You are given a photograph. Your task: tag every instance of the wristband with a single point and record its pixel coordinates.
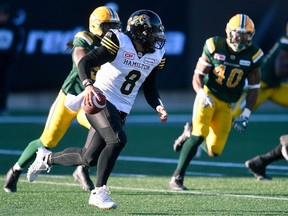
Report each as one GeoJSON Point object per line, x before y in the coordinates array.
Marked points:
{"type": "Point", "coordinates": [246, 113]}
{"type": "Point", "coordinates": [88, 83]}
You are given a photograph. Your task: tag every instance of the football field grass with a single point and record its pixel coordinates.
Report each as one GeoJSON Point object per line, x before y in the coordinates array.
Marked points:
{"type": "Point", "coordinates": [149, 196]}
{"type": "Point", "coordinates": [139, 183]}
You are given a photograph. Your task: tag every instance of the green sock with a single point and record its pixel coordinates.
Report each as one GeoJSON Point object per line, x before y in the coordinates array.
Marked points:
{"type": "Point", "coordinates": [188, 152]}
{"type": "Point", "coordinates": [29, 153]}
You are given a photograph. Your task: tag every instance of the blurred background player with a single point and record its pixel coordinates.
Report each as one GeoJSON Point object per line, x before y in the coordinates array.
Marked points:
{"type": "Point", "coordinates": [62, 113]}
{"type": "Point", "coordinates": [219, 79]}
{"type": "Point", "coordinates": [273, 87]}
{"type": "Point", "coordinates": [128, 61]}
{"type": "Point", "coordinates": [274, 74]}
{"type": "Point", "coordinates": [12, 36]}
{"type": "Point", "coordinates": [258, 164]}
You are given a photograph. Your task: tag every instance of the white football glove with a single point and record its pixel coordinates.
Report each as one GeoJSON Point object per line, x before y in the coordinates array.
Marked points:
{"type": "Point", "coordinates": [241, 122]}
{"type": "Point", "coordinates": [205, 98]}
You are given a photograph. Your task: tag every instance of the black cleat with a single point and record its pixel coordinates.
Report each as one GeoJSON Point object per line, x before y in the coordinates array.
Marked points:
{"type": "Point", "coordinates": [178, 144]}
{"type": "Point", "coordinates": [176, 183]}
{"type": "Point", "coordinates": [11, 180]}
{"type": "Point", "coordinates": [81, 174]}
{"type": "Point", "coordinates": [256, 167]}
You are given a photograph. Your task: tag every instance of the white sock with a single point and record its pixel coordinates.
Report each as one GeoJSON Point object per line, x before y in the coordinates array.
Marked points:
{"type": "Point", "coordinates": [17, 167]}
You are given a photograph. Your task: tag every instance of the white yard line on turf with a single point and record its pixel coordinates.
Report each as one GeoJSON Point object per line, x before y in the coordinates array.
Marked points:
{"type": "Point", "coordinates": [166, 161]}
{"type": "Point", "coordinates": [149, 118]}
{"type": "Point", "coordinates": [170, 191]}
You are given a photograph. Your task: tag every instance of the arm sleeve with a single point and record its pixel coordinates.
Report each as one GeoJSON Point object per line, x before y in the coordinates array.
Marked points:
{"type": "Point", "coordinates": [97, 57]}
{"type": "Point", "coordinates": [94, 58]}
{"type": "Point", "coordinates": [150, 90]}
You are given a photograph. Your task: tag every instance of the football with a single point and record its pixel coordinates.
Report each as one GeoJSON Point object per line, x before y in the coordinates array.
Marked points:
{"type": "Point", "coordinates": [97, 106]}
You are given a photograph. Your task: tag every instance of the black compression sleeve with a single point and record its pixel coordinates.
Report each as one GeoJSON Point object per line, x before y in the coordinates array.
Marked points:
{"type": "Point", "coordinates": [94, 58]}
{"type": "Point", "coordinates": [150, 90]}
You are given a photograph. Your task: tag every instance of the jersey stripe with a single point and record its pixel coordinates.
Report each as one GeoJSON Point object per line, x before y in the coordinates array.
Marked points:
{"type": "Point", "coordinates": [112, 47]}
{"type": "Point", "coordinates": [257, 56]}
{"type": "Point", "coordinates": [210, 45]}
{"type": "Point", "coordinates": [162, 63]}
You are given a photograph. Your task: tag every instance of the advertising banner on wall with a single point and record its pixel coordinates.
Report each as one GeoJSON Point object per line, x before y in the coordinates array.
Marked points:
{"type": "Point", "coordinates": [44, 62]}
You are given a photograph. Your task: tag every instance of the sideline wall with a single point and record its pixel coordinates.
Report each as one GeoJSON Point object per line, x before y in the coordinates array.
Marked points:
{"type": "Point", "coordinates": [44, 64]}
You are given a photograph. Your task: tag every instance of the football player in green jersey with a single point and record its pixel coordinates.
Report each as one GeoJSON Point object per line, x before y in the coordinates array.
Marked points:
{"type": "Point", "coordinates": [62, 112]}
{"type": "Point", "coordinates": [218, 80]}
{"type": "Point", "coordinates": [274, 73]}
{"type": "Point", "coordinates": [274, 87]}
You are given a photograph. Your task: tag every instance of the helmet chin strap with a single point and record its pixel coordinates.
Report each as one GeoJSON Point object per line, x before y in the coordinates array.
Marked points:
{"type": "Point", "coordinates": [240, 48]}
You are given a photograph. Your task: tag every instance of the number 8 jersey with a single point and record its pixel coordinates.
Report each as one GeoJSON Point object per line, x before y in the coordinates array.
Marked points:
{"type": "Point", "coordinates": [121, 78]}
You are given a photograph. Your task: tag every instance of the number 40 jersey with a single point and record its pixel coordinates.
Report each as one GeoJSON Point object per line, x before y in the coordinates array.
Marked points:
{"type": "Point", "coordinates": [230, 71]}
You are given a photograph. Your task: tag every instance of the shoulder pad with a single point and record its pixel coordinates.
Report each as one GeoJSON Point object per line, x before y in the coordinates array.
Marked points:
{"type": "Point", "coordinates": [210, 44]}
{"type": "Point", "coordinates": [85, 36]}
{"type": "Point", "coordinates": [215, 42]}
{"type": "Point", "coordinates": [111, 41]}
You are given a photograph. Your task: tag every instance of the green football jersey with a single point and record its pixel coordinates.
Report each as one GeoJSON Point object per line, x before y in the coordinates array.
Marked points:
{"type": "Point", "coordinates": [268, 67]}
{"type": "Point", "coordinates": [226, 80]}
{"type": "Point", "coordinates": [72, 83]}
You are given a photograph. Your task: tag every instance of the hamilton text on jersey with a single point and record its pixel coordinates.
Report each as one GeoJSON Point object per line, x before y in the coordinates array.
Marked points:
{"type": "Point", "coordinates": [136, 64]}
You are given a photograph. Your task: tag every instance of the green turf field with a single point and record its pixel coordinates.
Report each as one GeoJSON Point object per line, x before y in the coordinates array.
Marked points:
{"type": "Point", "coordinates": [139, 184]}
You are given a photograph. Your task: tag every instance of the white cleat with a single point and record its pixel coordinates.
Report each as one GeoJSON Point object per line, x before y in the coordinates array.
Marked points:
{"type": "Point", "coordinates": [284, 143]}
{"type": "Point", "coordinates": [179, 142]}
{"type": "Point", "coordinates": [40, 164]}
{"type": "Point", "coordinates": [284, 151]}
{"type": "Point", "coordinates": [99, 197]}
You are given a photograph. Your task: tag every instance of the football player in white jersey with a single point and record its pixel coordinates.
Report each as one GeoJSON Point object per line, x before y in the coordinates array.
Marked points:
{"type": "Point", "coordinates": [128, 61]}
{"type": "Point", "coordinates": [61, 114]}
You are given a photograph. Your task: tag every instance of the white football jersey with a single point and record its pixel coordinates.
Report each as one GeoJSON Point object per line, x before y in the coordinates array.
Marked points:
{"type": "Point", "coordinates": [121, 79]}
